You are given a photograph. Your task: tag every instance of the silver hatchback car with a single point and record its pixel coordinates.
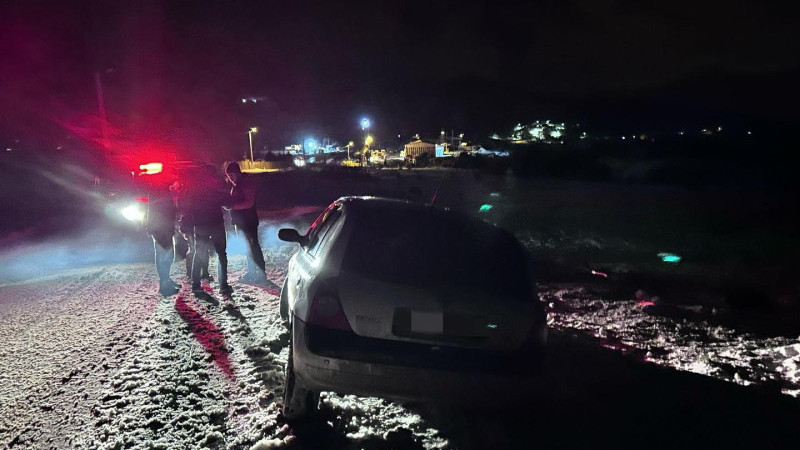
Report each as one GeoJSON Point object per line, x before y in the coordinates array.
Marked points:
{"type": "Point", "coordinates": [403, 300]}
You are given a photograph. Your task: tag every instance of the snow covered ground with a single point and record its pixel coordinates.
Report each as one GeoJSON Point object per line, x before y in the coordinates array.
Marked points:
{"type": "Point", "coordinates": [94, 358]}
{"type": "Point", "coordinates": [685, 337]}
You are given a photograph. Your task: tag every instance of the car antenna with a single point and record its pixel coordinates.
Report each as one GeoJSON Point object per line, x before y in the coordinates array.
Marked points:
{"type": "Point", "coordinates": [435, 194]}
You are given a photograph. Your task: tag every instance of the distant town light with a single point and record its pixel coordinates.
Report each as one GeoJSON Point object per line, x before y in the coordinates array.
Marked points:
{"type": "Point", "coordinates": [244, 100]}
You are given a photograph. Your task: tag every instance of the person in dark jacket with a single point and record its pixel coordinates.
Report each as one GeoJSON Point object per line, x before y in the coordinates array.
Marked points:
{"type": "Point", "coordinates": [206, 196]}
{"type": "Point", "coordinates": [186, 229]}
{"type": "Point", "coordinates": [161, 227]}
{"type": "Point", "coordinates": [245, 217]}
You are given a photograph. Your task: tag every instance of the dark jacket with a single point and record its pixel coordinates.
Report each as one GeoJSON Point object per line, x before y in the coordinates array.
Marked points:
{"type": "Point", "coordinates": [203, 199]}
{"type": "Point", "coordinates": [160, 212]}
{"type": "Point", "coordinates": [243, 207]}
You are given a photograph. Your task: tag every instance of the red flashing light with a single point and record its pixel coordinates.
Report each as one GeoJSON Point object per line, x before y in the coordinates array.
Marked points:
{"type": "Point", "coordinates": [142, 199]}
{"type": "Point", "coordinates": [151, 168]}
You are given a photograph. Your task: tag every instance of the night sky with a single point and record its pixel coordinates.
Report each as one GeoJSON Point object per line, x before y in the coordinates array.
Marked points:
{"type": "Point", "coordinates": [177, 70]}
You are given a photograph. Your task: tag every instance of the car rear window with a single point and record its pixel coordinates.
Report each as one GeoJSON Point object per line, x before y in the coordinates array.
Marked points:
{"type": "Point", "coordinates": [436, 248]}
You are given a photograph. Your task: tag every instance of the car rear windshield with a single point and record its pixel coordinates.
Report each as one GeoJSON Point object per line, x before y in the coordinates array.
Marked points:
{"type": "Point", "coordinates": [436, 248]}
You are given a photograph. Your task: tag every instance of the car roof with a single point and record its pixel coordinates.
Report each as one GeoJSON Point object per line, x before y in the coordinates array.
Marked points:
{"type": "Point", "coordinates": [357, 205]}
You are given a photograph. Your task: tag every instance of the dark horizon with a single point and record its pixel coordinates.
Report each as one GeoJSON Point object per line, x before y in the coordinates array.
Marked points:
{"type": "Point", "coordinates": [177, 72]}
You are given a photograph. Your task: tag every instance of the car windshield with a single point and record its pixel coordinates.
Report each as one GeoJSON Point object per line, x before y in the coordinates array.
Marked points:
{"type": "Point", "coordinates": [434, 248]}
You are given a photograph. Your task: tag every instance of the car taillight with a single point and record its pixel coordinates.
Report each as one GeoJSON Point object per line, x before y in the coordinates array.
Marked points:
{"type": "Point", "coordinates": [326, 311]}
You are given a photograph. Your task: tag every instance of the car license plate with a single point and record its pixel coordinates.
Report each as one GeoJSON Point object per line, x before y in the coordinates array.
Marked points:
{"type": "Point", "coordinates": [425, 322]}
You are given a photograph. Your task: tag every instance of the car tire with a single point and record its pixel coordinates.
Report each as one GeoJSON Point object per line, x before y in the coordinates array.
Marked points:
{"type": "Point", "coordinates": [298, 403]}
{"type": "Point", "coordinates": [284, 303]}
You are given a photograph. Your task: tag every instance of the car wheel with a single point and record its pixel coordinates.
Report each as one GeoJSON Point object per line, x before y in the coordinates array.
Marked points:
{"type": "Point", "coordinates": [298, 403]}
{"type": "Point", "coordinates": [284, 304]}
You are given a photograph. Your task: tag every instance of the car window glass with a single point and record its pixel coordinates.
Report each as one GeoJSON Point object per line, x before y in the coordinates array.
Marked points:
{"type": "Point", "coordinates": [329, 234]}
{"type": "Point", "coordinates": [314, 229]}
{"type": "Point", "coordinates": [428, 248]}
{"type": "Point", "coordinates": [322, 228]}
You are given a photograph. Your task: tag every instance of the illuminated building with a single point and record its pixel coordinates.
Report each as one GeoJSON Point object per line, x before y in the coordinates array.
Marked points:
{"type": "Point", "coordinates": [417, 147]}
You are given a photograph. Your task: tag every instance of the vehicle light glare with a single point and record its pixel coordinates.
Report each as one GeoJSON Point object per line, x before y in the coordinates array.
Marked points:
{"type": "Point", "coordinates": [669, 258]}
{"type": "Point", "coordinates": [134, 213]}
{"type": "Point", "coordinates": [151, 168]}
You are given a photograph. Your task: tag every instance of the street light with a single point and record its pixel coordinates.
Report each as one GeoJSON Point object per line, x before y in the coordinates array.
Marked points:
{"type": "Point", "coordinates": [365, 153]}
{"type": "Point", "coordinates": [250, 135]}
{"type": "Point", "coordinates": [311, 144]}
{"type": "Point", "coordinates": [365, 123]}
{"type": "Point", "coordinates": [350, 144]}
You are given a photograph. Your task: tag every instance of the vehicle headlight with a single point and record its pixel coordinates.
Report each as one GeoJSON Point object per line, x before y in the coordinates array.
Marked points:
{"type": "Point", "coordinates": [133, 212]}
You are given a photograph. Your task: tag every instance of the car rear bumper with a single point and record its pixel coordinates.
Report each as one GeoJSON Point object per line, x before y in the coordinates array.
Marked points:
{"type": "Point", "coordinates": [459, 383]}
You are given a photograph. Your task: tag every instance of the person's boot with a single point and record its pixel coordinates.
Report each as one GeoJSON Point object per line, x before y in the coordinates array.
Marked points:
{"type": "Point", "coordinates": [226, 289]}
{"type": "Point", "coordinates": [253, 277]}
{"type": "Point", "coordinates": [168, 288]}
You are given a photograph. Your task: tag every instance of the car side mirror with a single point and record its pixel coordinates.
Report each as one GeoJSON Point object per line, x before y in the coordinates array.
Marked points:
{"type": "Point", "coordinates": [291, 235]}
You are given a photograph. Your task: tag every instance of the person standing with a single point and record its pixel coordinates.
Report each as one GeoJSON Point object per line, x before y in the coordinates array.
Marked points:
{"type": "Point", "coordinates": [206, 196]}
{"type": "Point", "coordinates": [160, 224]}
{"type": "Point", "coordinates": [186, 229]}
{"type": "Point", "coordinates": [245, 217]}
